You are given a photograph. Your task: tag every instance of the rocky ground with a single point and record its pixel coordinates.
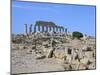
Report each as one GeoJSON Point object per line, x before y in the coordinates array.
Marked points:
{"type": "Point", "coordinates": [69, 54]}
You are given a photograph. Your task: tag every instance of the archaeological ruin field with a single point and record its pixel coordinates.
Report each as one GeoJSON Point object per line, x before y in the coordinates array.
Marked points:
{"type": "Point", "coordinates": [51, 48]}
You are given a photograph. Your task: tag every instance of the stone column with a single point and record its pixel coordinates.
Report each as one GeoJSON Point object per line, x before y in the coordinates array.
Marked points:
{"type": "Point", "coordinates": [30, 29]}
{"type": "Point", "coordinates": [42, 28]}
{"type": "Point", "coordinates": [35, 28]}
{"type": "Point", "coordinates": [46, 28]}
{"type": "Point", "coordinates": [39, 28]}
{"type": "Point", "coordinates": [25, 28]}
{"type": "Point", "coordinates": [53, 28]}
{"type": "Point", "coordinates": [56, 29]}
{"type": "Point", "coordinates": [63, 29]}
{"type": "Point", "coordinates": [66, 30]}
{"type": "Point", "coordinates": [50, 28]}
{"type": "Point", "coordinates": [60, 29]}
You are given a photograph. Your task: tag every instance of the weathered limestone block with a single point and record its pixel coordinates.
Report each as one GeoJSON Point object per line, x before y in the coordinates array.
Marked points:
{"type": "Point", "coordinates": [92, 66]}
{"type": "Point", "coordinates": [87, 48]}
{"type": "Point", "coordinates": [87, 63]}
{"type": "Point", "coordinates": [38, 46]}
{"type": "Point", "coordinates": [15, 48]}
{"type": "Point", "coordinates": [75, 56]}
{"type": "Point", "coordinates": [88, 54]}
{"type": "Point", "coordinates": [69, 58]}
{"type": "Point", "coordinates": [39, 56]}
{"type": "Point", "coordinates": [45, 49]}
{"type": "Point", "coordinates": [50, 53]}
{"type": "Point", "coordinates": [25, 47]}
{"type": "Point", "coordinates": [94, 53]}
{"type": "Point", "coordinates": [66, 51]}
{"type": "Point", "coordinates": [84, 60]}
{"type": "Point", "coordinates": [84, 48]}
{"type": "Point", "coordinates": [60, 54]}
{"type": "Point", "coordinates": [21, 47]}
{"type": "Point", "coordinates": [69, 51]}
{"type": "Point", "coordinates": [28, 51]}
{"type": "Point", "coordinates": [76, 62]}
{"type": "Point", "coordinates": [80, 54]}
{"type": "Point", "coordinates": [75, 66]}
{"type": "Point", "coordinates": [66, 66]}
{"type": "Point", "coordinates": [82, 67]}
{"type": "Point", "coordinates": [69, 67]}
{"type": "Point", "coordinates": [93, 60]}
{"type": "Point", "coordinates": [33, 47]}
{"type": "Point", "coordinates": [59, 61]}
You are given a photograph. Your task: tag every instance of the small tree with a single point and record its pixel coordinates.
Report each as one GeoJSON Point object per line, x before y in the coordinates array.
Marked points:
{"type": "Point", "coordinates": [77, 35]}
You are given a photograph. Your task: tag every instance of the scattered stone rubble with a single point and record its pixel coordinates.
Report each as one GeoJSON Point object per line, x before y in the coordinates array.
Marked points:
{"type": "Point", "coordinates": [42, 51]}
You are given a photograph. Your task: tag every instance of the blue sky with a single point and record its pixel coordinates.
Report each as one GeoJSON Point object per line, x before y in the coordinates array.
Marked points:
{"type": "Point", "coordinates": [74, 17]}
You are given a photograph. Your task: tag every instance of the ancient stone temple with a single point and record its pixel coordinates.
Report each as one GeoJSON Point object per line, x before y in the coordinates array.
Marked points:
{"type": "Point", "coordinates": [50, 26]}
{"type": "Point", "coordinates": [44, 26]}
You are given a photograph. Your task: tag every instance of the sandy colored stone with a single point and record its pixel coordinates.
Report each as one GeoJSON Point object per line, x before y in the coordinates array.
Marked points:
{"type": "Point", "coordinates": [84, 60]}
{"type": "Point", "coordinates": [92, 66]}
{"type": "Point", "coordinates": [88, 54]}
{"type": "Point", "coordinates": [82, 67]}
{"type": "Point", "coordinates": [60, 54]}
{"type": "Point", "coordinates": [58, 58]}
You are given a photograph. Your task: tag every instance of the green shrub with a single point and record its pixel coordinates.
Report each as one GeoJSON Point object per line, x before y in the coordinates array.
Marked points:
{"type": "Point", "coordinates": [77, 35]}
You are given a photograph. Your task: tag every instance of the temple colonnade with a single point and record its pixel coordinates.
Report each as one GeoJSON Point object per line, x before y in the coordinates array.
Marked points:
{"type": "Point", "coordinates": [42, 26]}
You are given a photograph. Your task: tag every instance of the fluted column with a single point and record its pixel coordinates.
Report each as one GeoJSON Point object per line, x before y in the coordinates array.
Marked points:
{"type": "Point", "coordinates": [35, 28]}
{"type": "Point", "coordinates": [56, 29]}
{"type": "Point", "coordinates": [25, 28]}
{"type": "Point", "coordinates": [30, 29]}
{"type": "Point", "coordinates": [60, 29]}
{"type": "Point", "coordinates": [46, 28]}
{"type": "Point", "coordinates": [63, 29]}
{"type": "Point", "coordinates": [42, 28]}
{"type": "Point", "coordinates": [50, 28]}
{"type": "Point", "coordinates": [53, 28]}
{"type": "Point", "coordinates": [66, 30]}
{"type": "Point", "coordinates": [39, 28]}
